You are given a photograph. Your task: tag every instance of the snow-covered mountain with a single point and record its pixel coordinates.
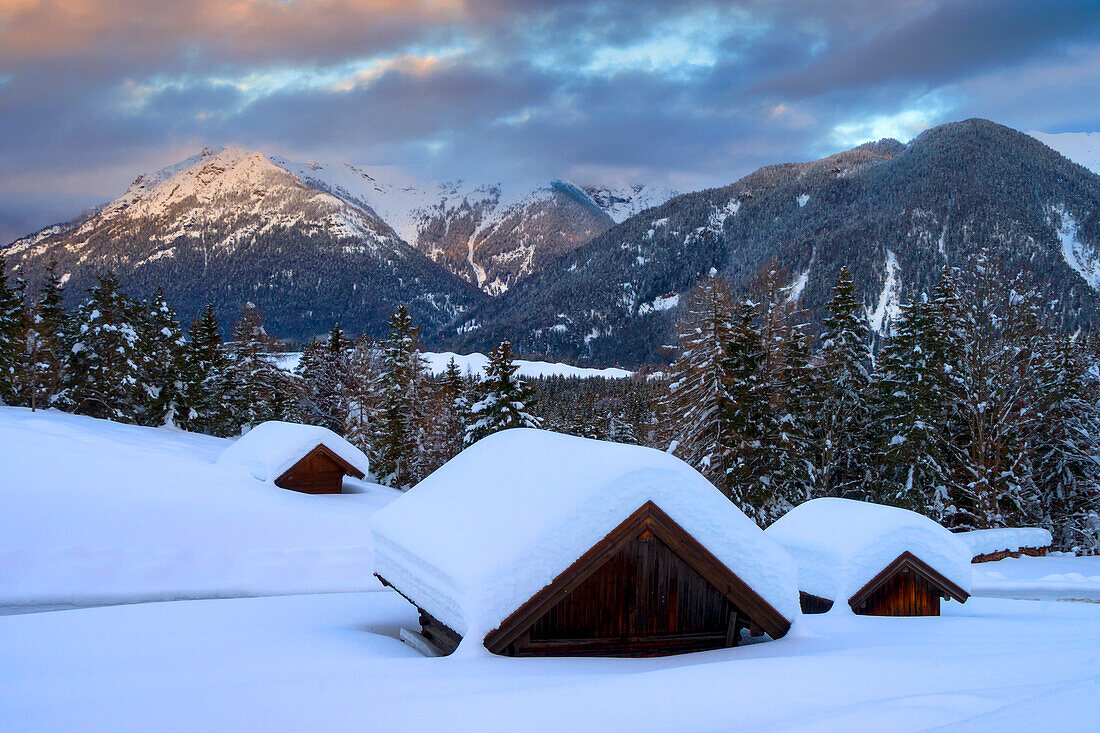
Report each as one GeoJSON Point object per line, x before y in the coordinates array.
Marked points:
{"type": "Point", "coordinates": [234, 225]}
{"type": "Point", "coordinates": [1083, 148]}
{"type": "Point", "coordinates": [624, 201]}
{"type": "Point", "coordinates": [492, 235]}
{"type": "Point", "coordinates": [893, 213]}
{"type": "Point", "coordinates": [231, 226]}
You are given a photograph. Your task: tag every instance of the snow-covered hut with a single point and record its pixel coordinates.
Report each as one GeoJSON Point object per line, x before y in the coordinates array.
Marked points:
{"type": "Point", "coordinates": [880, 560]}
{"type": "Point", "coordinates": [533, 543]}
{"type": "Point", "coordinates": [988, 545]}
{"type": "Point", "coordinates": [306, 458]}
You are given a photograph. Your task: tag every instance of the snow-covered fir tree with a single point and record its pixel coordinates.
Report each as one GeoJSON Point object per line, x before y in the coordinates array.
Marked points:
{"type": "Point", "coordinates": [44, 352]}
{"type": "Point", "coordinates": [507, 399]}
{"type": "Point", "coordinates": [204, 397]}
{"type": "Point", "coordinates": [162, 351]}
{"type": "Point", "coordinates": [1067, 447]}
{"type": "Point", "coordinates": [104, 376]}
{"type": "Point", "coordinates": [454, 395]}
{"type": "Point", "coordinates": [747, 414]}
{"type": "Point", "coordinates": [324, 370]}
{"type": "Point", "coordinates": [13, 337]}
{"type": "Point", "coordinates": [696, 405]}
{"type": "Point", "coordinates": [994, 404]}
{"type": "Point", "coordinates": [363, 393]}
{"type": "Point", "coordinates": [844, 408]}
{"type": "Point", "coordinates": [395, 448]}
{"type": "Point", "coordinates": [910, 405]}
{"type": "Point", "coordinates": [258, 389]}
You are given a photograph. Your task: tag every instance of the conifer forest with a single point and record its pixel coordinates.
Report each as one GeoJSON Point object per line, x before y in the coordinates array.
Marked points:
{"type": "Point", "coordinates": [976, 408]}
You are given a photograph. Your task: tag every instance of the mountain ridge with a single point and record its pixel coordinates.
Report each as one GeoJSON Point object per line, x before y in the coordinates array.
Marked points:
{"type": "Point", "coordinates": [894, 213]}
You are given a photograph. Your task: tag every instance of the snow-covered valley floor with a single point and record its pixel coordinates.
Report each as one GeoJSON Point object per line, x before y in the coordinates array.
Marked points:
{"type": "Point", "coordinates": [93, 512]}
{"type": "Point", "coordinates": [333, 663]}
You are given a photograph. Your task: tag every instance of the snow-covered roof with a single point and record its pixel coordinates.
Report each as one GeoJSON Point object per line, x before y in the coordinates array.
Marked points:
{"type": "Point", "coordinates": [266, 451]}
{"type": "Point", "coordinates": [1013, 539]}
{"type": "Point", "coordinates": [479, 537]}
{"type": "Point", "coordinates": [839, 545]}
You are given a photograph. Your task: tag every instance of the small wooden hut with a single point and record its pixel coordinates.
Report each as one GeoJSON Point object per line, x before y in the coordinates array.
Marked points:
{"type": "Point", "coordinates": [882, 561]}
{"type": "Point", "coordinates": [991, 545]}
{"type": "Point", "coordinates": [305, 458]}
{"type": "Point", "coordinates": [540, 544]}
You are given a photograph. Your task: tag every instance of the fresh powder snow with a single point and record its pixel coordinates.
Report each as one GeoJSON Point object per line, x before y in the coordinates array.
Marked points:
{"type": "Point", "coordinates": [840, 544]}
{"type": "Point", "coordinates": [94, 512]}
{"type": "Point", "coordinates": [330, 663]}
{"type": "Point", "coordinates": [266, 451]}
{"type": "Point", "coordinates": [476, 539]}
{"type": "Point", "coordinates": [1012, 539]}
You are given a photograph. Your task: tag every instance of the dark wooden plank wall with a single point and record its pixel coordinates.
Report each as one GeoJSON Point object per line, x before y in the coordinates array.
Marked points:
{"type": "Point", "coordinates": [813, 604]}
{"type": "Point", "coordinates": [903, 594]}
{"type": "Point", "coordinates": [316, 474]}
{"type": "Point", "coordinates": [644, 599]}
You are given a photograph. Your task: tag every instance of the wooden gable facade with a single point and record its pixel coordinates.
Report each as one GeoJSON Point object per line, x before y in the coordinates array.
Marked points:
{"type": "Point", "coordinates": [320, 471]}
{"type": "Point", "coordinates": [646, 589]}
{"type": "Point", "coordinates": [906, 587]}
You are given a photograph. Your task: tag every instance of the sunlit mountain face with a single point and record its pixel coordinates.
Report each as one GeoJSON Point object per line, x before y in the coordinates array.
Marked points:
{"type": "Point", "coordinates": [611, 93]}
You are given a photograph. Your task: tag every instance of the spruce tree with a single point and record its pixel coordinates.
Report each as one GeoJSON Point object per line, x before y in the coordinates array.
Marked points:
{"type": "Point", "coordinates": [363, 395]}
{"type": "Point", "coordinates": [394, 446]}
{"type": "Point", "coordinates": [454, 390]}
{"type": "Point", "coordinates": [104, 375]}
{"type": "Point", "coordinates": [259, 390]}
{"type": "Point", "coordinates": [697, 403]}
{"type": "Point", "coordinates": [844, 417]}
{"type": "Point", "coordinates": [205, 391]}
{"type": "Point", "coordinates": [324, 370]}
{"type": "Point", "coordinates": [13, 338]}
{"type": "Point", "coordinates": [1067, 446]}
{"type": "Point", "coordinates": [909, 406]}
{"type": "Point", "coordinates": [507, 399]}
{"type": "Point", "coordinates": [45, 342]}
{"type": "Point", "coordinates": [747, 413]}
{"type": "Point", "coordinates": [162, 350]}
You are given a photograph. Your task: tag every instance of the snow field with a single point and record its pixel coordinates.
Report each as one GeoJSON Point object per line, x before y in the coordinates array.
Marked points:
{"type": "Point", "coordinates": [333, 663]}
{"type": "Point", "coordinates": [95, 512]}
{"type": "Point", "coordinates": [1059, 576]}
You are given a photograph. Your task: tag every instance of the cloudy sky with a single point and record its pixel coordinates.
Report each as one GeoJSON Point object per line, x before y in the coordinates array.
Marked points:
{"type": "Point", "coordinates": [92, 92]}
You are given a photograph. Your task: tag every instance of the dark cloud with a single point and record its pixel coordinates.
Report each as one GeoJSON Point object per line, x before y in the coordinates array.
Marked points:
{"type": "Point", "coordinates": [696, 93]}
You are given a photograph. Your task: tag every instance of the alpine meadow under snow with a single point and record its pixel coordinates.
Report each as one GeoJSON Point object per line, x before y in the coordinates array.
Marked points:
{"type": "Point", "coordinates": [106, 513]}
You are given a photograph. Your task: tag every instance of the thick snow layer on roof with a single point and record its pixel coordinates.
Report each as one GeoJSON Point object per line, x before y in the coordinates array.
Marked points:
{"type": "Point", "coordinates": [839, 545]}
{"type": "Point", "coordinates": [476, 539]}
{"type": "Point", "coordinates": [986, 541]}
{"type": "Point", "coordinates": [266, 451]}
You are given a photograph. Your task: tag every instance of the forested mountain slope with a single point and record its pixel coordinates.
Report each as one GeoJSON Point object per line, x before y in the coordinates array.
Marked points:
{"type": "Point", "coordinates": [894, 214]}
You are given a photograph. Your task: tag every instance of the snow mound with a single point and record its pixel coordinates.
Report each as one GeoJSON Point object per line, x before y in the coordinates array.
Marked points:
{"type": "Point", "coordinates": [93, 511]}
{"type": "Point", "coordinates": [840, 544]}
{"type": "Point", "coordinates": [266, 451]}
{"type": "Point", "coordinates": [986, 541]}
{"type": "Point", "coordinates": [475, 540]}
